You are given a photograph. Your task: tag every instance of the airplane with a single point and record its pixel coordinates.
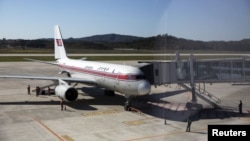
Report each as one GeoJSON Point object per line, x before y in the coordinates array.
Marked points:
{"type": "Point", "coordinates": [126, 79]}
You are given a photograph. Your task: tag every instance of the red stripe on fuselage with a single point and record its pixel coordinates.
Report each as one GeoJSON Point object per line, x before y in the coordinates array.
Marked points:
{"type": "Point", "coordinates": [100, 73]}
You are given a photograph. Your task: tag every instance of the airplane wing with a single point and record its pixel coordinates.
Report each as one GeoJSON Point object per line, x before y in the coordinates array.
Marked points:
{"type": "Point", "coordinates": [66, 79]}
{"type": "Point", "coordinates": [40, 61]}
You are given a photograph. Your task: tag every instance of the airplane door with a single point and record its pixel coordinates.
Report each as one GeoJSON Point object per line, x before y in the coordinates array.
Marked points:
{"type": "Point", "coordinates": [117, 78]}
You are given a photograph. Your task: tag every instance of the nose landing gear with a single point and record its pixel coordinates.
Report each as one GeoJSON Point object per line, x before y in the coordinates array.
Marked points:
{"type": "Point", "coordinates": [127, 105]}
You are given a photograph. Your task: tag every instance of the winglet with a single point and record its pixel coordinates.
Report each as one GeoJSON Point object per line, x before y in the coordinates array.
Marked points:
{"type": "Point", "coordinates": [60, 52]}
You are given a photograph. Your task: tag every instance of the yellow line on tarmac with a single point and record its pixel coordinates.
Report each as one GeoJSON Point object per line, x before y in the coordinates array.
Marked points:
{"type": "Point", "coordinates": [45, 126]}
{"type": "Point", "coordinates": [189, 94]}
{"type": "Point", "coordinates": [245, 118]}
{"type": "Point", "coordinates": [101, 113]}
{"type": "Point", "coordinates": [136, 122]}
{"type": "Point", "coordinates": [67, 138]}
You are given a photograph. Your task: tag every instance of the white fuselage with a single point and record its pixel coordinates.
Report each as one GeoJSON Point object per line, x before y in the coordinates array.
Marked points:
{"type": "Point", "coordinates": [122, 78]}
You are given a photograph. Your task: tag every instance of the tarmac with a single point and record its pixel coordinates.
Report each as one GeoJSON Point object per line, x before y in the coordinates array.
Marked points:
{"type": "Point", "coordinates": [160, 116]}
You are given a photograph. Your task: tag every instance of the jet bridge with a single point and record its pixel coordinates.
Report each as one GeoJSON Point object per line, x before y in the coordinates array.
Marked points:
{"type": "Point", "coordinates": [193, 71]}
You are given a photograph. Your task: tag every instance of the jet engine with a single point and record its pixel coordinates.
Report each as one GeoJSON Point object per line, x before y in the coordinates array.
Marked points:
{"type": "Point", "coordinates": [66, 92]}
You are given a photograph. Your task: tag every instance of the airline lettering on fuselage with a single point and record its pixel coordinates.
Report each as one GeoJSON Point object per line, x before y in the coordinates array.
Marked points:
{"type": "Point", "coordinates": [105, 69]}
{"type": "Point", "coordinates": [89, 67]}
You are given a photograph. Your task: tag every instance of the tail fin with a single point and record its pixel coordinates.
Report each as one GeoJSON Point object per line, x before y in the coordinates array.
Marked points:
{"type": "Point", "coordinates": [60, 52]}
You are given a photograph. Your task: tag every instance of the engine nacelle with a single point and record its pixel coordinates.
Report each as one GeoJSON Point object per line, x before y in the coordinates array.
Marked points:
{"type": "Point", "coordinates": [66, 92]}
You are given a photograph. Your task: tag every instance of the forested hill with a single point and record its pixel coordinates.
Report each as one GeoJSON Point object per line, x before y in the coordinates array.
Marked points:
{"type": "Point", "coordinates": [114, 38]}
{"type": "Point", "coordinates": [114, 41]}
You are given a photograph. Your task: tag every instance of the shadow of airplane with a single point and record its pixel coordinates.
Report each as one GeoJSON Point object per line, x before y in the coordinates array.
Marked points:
{"type": "Point", "coordinates": [97, 94]}
{"type": "Point", "coordinates": [145, 104]}
{"type": "Point", "coordinates": [75, 105]}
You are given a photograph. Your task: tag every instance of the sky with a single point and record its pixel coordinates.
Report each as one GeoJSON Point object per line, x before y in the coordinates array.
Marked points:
{"type": "Point", "coordinates": [206, 20]}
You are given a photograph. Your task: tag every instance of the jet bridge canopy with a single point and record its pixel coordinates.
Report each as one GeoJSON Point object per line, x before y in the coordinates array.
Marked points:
{"type": "Point", "coordinates": [198, 71]}
{"type": "Point", "coordinates": [202, 71]}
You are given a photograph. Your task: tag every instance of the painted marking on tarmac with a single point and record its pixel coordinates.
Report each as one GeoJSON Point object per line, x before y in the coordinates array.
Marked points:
{"type": "Point", "coordinates": [170, 106]}
{"type": "Point", "coordinates": [245, 118]}
{"type": "Point", "coordinates": [50, 130]}
{"type": "Point", "coordinates": [164, 105]}
{"type": "Point", "coordinates": [98, 113]}
{"type": "Point", "coordinates": [177, 107]}
{"type": "Point", "coordinates": [67, 138]}
{"type": "Point", "coordinates": [158, 104]}
{"type": "Point", "coordinates": [136, 122]}
{"type": "Point", "coordinates": [189, 94]}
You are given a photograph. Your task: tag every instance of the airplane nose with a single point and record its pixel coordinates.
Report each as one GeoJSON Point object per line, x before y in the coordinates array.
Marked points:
{"type": "Point", "coordinates": [144, 88]}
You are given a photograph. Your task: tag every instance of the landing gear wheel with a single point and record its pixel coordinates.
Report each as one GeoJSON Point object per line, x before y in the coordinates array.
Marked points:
{"type": "Point", "coordinates": [127, 107]}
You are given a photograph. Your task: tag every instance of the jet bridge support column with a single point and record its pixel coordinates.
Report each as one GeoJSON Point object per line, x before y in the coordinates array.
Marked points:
{"type": "Point", "coordinates": [192, 83]}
